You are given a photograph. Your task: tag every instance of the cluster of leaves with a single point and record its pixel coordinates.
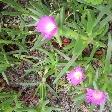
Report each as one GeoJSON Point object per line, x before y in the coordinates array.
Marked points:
{"type": "Point", "coordinates": [84, 22]}
{"type": "Point", "coordinates": [94, 1]}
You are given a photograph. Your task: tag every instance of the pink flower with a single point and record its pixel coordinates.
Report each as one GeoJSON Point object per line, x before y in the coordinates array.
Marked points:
{"type": "Point", "coordinates": [47, 26]}
{"type": "Point", "coordinates": [76, 76]}
{"type": "Point", "coordinates": [95, 97]}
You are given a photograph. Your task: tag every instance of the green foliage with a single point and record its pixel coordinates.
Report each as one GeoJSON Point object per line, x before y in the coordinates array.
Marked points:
{"type": "Point", "coordinates": [94, 2]}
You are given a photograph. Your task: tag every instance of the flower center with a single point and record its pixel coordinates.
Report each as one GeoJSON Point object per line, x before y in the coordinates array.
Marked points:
{"type": "Point", "coordinates": [77, 75]}
{"type": "Point", "coordinates": [97, 95]}
{"type": "Point", "coordinates": [50, 27]}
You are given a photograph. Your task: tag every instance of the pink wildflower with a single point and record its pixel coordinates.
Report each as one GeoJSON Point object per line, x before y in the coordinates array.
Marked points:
{"type": "Point", "coordinates": [76, 76]}
{"type": "Point", "coordinates": [47, 26]}
{"type": "Point", "coordinates": [95, 97]}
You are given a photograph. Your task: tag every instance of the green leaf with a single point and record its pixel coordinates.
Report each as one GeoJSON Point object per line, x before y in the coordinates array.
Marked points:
{"type": "Point", "coordinates": [11, 13]}
{"type": "Point", "coordinates": [58, 38]}
{"type": "Point", "coordinates": [62, 17]}
{"type": "Point", "coordinates": [62, 54]}
{"type": "Point", "coordinates": [78, 48]}
{"type": "Point", "coordinates": [3, 67]}
{"type": "Point", "coordinates": [4, 64]}
{"type": "Point", "coordinates": [90, 20]}
{"type": "Point", "coordinates": [94, 2]}
{"type": "Point", "coordinates": [5, 78]}
{"type": "Point", "coordinates": [12, 42]}
{"type": "Point", "coordinates": [35, 12]}
{"type": "Point", "coordinates": [40, 7]}
{"type": "Point", "coordinates": [79, 98]}
{"type": "Point", "coordinates": [69, 33]}
{"type": "Point", "coordinates": [42, 91]}
{"type": "Point", "coordinates": [15, 5]}
{"type": "Point", "coordinates": [64, 70]}
{"type": "Point", "coordinates": [107, 67]}
{"type": "Point", "coordinates": [37, 43]}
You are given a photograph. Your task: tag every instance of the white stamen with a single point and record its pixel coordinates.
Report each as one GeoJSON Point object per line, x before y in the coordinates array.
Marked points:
{"type": "Point", "coordinates": [97, 95]}
{"type": "Point", "coordinates": [77, 75]}
{"type": "Point", "coordinates": [50, 27]}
